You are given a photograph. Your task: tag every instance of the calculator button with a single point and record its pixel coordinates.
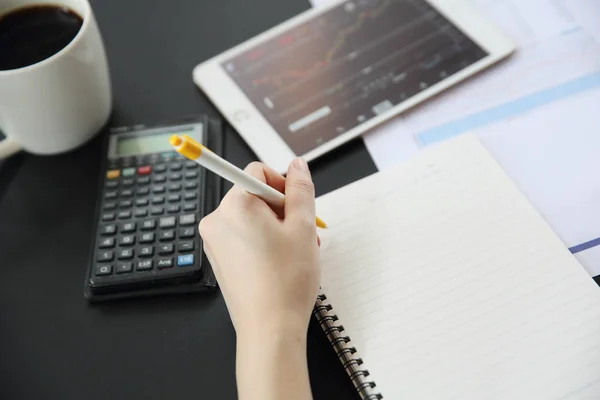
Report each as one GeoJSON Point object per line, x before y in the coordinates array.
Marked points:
{"type": "Point", "coordinates": [160, 168]}
{"type": "Point", "coordinates": [184, 247]}
{"type": "Point", "coordinates": [143, 180]}
{"type": "Point", "coordinates": [127, 240]}
{"type": "Point", "coordinates": [113, 174]}
{"type": "Point", "coordinates": [106, 255]}
{"type": "Point", "coordinates": [127, 182]}
{"type": "Point", "coordinates": [110, 195]}
{"type": "Point", "coordinates": [108, 230]}
{"type": "Point", "coordinates": [185, 260]}
{"type": "Point", "coordinates": [107, 243]}
{"type": "Point", "coordinates": [125, 254]}
{"type": "Point", "coordinates": [174, 187]}
{"type": "Point", "coordinates": [158, 199]}
{"type": "Point", "coordinates": [164, 263]}
{"type": "Point", "coordinates": [188, 219]}
{"type": "Point", "coordinates": [110, 206]}
{"type": "Point", "coordinates": [166, 236]}
{"type": "Point", "coordinates": [129, 172]}
{"type": "Point", "coordinates": [125, 204]}
{"type": "Point", "coordinates": [148, 224]}
{"type": "Point", "coordinates": [142, 202]}
{"type": "Point", "coordinates": [144, 265]}
{"type": "Point", "coordinates": [160, 179]}
{"type": "Point", "coordinates": [190, 195]}
{"type": "Point", "coordinates": [189, 207]}
{"type": "Point", "coordinates": [166, 222]}
{"type": "Point", "coordinates": [173, 208]}
{"type": "Point", "coordinates": [124, 214]}
{"type": "Point", "coordinates": [127, 193]}
{"type": "Point", "coordinates": [157, 210]}
{"type": "Point", "coordinates": [128, 227]}
{"type": "Point", "coordinates": [102, 270]}
{"type": "Point", "coordinates": [191, 164]}
{"type": "Point", "coordinates": [165, 249]}
{"type": "Point", "coordinates": [124, 268]}
{"type": "Point", "coordinates": [175, 176]}
{"type": "Point", "coordinates": [186, 232]}
{"type": "Point", "coordinates": [108, 216]}
{"type": "Point", "coordinates": [147, 237]}
{"type": "Point", "coordinates": [144, 170]}
{"type": "Point", "coordinates": [191, 175]}
{"type": "Point", "coordinates": [146, 251]}
{"type": "Point", "coordinates": [191, 185]}
{"type": "Point", "coordinates": [158, 189]}
{"type": "Point", "coordinates": [143, 191]}
{"type": "Point", "coordinates": [172, 198]}
{"type": "Point", "coordinates": [175, 167]}
{"type": "Point", "coordinates": [141, 212]}
{"type": "Point", "coordinates": [112, 184]}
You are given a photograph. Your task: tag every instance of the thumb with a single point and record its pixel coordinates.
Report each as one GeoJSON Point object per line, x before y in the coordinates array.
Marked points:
{"type": "Point", "coordinates": [299, 193]}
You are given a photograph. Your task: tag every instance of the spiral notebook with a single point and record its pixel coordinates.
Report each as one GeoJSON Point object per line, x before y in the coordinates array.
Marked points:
{"type": "Point", "coordinates": [441, 281]}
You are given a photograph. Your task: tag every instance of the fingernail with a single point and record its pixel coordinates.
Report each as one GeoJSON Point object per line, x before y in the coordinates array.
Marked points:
{"type": "Point", "coordinates": [300, 164]}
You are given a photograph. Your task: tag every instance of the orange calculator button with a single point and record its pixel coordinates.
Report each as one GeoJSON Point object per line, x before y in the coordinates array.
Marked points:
{"type": "Point", "coordinates": [113, 174]}
{"type": "Point", "coordinates": [144, 170]}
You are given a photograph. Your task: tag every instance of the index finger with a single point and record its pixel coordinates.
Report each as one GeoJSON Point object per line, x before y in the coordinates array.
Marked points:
{"type": "Point", "coordinates": [264, 174]}
{"type": "Point", "coordinates": [268, 175]}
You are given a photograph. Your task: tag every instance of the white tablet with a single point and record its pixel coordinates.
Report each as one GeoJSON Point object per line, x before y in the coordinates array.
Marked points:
{"type": "Point", "coordinates": [328, 75]}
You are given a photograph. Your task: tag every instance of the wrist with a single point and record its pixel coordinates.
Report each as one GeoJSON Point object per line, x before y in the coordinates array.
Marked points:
{"type": "Point", "coordinates": [271, 362]}
{"type": "Point", "coordinates": [273, 331]}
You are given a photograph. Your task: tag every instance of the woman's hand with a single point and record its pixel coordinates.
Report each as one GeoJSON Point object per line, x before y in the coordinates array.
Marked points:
{"type": "Point", "coordinates": [268, 269]}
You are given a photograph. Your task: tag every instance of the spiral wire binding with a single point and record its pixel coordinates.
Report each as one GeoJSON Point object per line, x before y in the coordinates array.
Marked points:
{"type": "Point", "coordinates": [344, 351]}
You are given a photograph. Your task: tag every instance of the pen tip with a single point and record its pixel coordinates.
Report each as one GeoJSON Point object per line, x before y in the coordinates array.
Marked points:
{"type": "Point", "coordinates": [175, 140]}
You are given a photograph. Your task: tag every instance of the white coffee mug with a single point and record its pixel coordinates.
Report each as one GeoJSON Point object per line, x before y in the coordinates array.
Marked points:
{"type": "Point", "coordinates": [61, 102]}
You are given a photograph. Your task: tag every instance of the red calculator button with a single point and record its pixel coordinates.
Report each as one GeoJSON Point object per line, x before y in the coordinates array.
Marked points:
{"type": "Point", "coordinates": [145, 170]}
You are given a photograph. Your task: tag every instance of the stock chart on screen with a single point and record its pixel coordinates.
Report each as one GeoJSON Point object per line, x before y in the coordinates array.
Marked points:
{"type": "Point", "coordinates": [348, 65]}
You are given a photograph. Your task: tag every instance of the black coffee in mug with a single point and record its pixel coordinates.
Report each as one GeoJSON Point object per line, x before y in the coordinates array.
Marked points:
{"type": "Point", "coordinates": [34, 33]}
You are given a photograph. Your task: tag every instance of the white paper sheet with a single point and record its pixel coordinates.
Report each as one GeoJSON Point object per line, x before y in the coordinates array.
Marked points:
{"type": "Point", "coordinates": [544, 101]}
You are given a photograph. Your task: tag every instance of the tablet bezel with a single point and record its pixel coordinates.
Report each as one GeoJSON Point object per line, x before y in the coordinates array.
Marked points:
{"type": "Point", "coordinates": [269, 146]}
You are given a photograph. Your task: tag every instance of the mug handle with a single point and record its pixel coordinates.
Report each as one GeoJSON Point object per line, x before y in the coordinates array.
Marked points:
{"type": "Point", "coordinates": [8, 147]}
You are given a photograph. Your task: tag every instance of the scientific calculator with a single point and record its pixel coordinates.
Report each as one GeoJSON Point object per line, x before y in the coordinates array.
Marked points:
{"type": "Point", "coordinates": [146, 239]}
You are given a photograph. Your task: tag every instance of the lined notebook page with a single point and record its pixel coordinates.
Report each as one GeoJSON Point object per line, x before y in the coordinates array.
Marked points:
{"type": "Point", "coordinates": [451, 286]}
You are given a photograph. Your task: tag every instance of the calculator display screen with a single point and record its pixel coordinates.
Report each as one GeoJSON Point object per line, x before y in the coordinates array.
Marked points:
{"type": "Point", "coordinates": [144, 144]}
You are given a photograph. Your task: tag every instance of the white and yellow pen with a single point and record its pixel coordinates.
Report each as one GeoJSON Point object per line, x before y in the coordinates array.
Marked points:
{"type": "Point", "coordinates": [193, 150]}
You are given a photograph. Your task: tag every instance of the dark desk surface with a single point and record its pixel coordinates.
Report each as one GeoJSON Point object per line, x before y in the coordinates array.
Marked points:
{"type": "Point", "coordinates": [53, 345]}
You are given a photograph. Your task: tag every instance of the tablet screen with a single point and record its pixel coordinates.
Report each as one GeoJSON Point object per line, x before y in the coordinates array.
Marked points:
{"type": "Point", "coordinates": [346, 66]}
